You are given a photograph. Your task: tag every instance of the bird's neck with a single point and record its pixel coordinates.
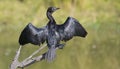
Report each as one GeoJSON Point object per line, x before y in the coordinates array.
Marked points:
{"type": "Point", "coordinates": [50, 17]}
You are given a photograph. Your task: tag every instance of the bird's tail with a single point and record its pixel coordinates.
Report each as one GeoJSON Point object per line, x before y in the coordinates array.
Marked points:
{"type": "Point", "coordinates": [51, 54]}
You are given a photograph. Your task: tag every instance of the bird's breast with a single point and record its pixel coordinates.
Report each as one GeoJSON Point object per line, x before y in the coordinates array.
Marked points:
{"type": "Point", "coordinates": [53, 37]}
{"type": "Point", "coordinates": [57, 35]}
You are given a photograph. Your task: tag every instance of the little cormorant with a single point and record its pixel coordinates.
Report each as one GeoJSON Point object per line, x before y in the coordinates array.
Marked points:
{"type": "Point", "coordinates": [52, 33]}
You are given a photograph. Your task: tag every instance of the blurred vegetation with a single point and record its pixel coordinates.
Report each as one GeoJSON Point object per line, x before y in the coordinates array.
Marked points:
{"type": "Point", "coordinates": [99, 50]}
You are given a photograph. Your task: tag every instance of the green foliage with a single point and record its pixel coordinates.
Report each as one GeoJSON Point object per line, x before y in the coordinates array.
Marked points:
{"type": "Point", "coordinates": [99, 50]}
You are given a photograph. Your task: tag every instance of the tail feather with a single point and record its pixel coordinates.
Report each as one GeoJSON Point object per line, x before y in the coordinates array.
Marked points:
{"type": "Point", "coordinates": [50, 55]}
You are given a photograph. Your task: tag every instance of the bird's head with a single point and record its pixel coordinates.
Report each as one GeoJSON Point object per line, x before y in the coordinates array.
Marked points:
{"type": "Point", "coordinates": [52, 9]}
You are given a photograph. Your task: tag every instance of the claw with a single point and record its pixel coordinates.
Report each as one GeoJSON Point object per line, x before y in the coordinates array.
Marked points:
{"type": "Point", "coordinates": [60, 46]}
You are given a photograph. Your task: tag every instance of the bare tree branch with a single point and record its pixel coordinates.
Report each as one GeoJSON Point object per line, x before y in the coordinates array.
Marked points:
{"type": "Point", "coordinates": [28, 61]}
{"type": "Point", "coordinates": [15, 62]}
{"type": "Point", "coordinates": [34, 53]}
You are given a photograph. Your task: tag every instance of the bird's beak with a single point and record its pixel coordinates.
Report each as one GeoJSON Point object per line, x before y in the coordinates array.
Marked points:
{"type": "Point", "coordinates": [57, 8]}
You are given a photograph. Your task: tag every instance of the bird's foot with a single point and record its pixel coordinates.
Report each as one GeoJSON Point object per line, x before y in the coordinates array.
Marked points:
{"type": "Point", "coordinates": [60, 46]}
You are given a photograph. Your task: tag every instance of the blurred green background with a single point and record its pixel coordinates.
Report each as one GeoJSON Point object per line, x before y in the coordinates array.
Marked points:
{"type": "Point", "coordinates": [99, 50]}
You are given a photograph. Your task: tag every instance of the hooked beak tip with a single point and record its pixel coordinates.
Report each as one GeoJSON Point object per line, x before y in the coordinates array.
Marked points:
{"type": "Point", "coordinates": [58, 8]}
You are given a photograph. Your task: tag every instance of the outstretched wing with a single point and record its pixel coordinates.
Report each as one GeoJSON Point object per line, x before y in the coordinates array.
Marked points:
{"type": "Point", "coordinates": [71, 28]}
{"type": "Point", "coordinates": [32, 35]}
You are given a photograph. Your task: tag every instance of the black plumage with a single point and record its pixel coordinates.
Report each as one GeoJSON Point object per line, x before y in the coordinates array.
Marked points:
{"type": "Point", "coordinates": [33, 35]}
{"type": "Point", "coordinates": [52, 33]}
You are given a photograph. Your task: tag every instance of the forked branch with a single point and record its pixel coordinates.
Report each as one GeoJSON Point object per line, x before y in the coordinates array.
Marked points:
{"type": "Point", "coordinates": [28, 61]}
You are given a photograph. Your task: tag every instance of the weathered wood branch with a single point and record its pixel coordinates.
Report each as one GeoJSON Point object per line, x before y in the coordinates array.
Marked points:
{"type": "Point", "coordinates": [28, 61]}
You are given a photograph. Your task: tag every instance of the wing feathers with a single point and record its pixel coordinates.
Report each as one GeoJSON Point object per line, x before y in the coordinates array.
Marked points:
{"type": "Point", "coordinates": [66, 31]}
{"type": "Point", "coordinates": [33, 35]}
{"type": "Point", "coordinates": [71, 28]}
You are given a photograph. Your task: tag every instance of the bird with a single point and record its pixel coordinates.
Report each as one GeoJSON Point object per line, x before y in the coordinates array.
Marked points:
{"type": "Point", "coordinates": [52, 33]}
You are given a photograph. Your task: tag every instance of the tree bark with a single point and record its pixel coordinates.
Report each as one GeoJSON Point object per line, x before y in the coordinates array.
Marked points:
{"type": "Point", "coordinates": [28, 61]}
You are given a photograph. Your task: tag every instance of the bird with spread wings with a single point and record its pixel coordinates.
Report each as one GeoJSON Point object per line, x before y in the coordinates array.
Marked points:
{"type": "Point", "coordinates": [52, 33]}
